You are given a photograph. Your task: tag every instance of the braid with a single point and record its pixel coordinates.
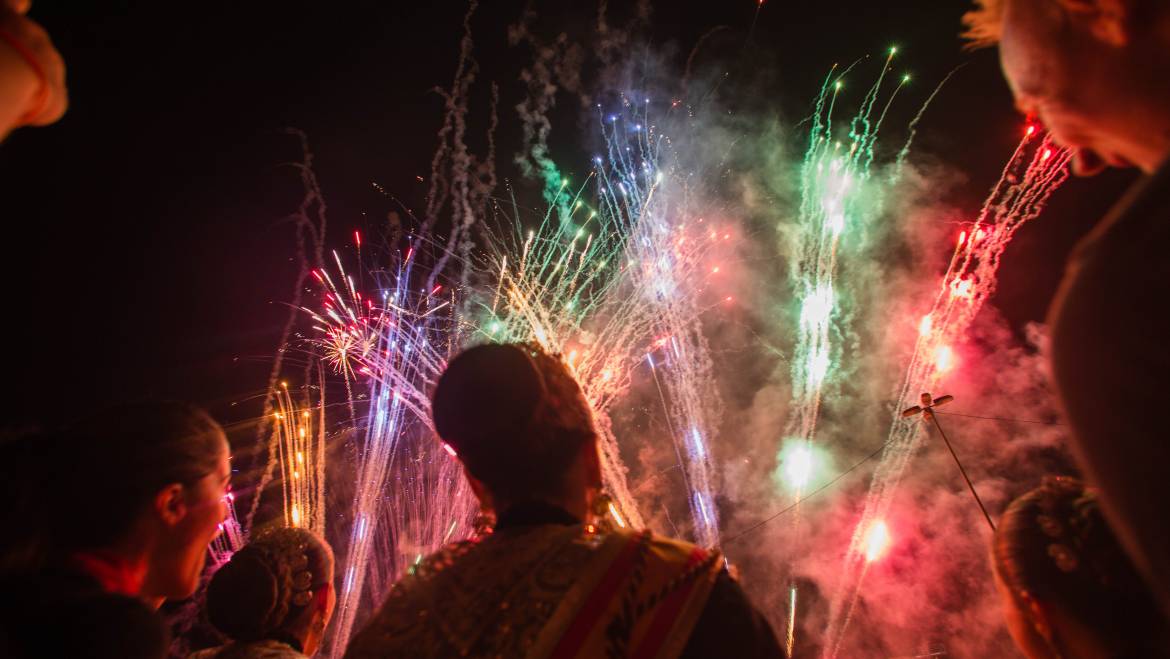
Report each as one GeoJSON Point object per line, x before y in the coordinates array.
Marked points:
{"type": "Point", "coordinates": [1054, 545]}
{"type": "Point", "coordinates": [278, 563]}
{"type": "Point", "coordinates": [263, 591]}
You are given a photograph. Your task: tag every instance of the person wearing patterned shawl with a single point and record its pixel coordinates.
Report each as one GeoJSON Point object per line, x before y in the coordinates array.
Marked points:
{"type": "Point", "coordinates": [549, 581]}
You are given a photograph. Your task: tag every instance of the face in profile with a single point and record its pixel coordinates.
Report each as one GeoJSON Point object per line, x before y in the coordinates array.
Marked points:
{"type": "Point", "coordinates": [321, 617]}
{"type": "Point", "coordinates": [179, 560]}
{"type": "Point", "coordinates": [1019, 622]}
{"type": "Point", "coordinates": [1085, 79]}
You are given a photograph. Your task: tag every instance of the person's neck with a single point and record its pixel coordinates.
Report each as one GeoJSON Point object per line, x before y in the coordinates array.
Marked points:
{"type": "Point", "coordinates": [1160, 159]}
{"type": "Point", "coordinates": [117, 571]}
{"type": "Point", "coordinates": [535, 513]}
{"type": "Point", "coordinates": [1073, 640]}
{"type": "Point", "coordinates": [311, 640]}
{"type": "Point", "coordinates": [1150, 109]}
{"type": "Point", "coordinates": [1154, 153]}
{"type": "Point", "coordinates": [135, 550]}
{"type": "Point", "coordinates": [295, 640]}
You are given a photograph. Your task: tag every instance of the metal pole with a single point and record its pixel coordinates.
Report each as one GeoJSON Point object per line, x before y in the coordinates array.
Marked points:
{"type": "Point", "coordinates": [930, 414]}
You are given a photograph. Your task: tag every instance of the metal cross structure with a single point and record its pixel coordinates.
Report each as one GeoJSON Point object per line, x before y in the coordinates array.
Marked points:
{"type": "Point", "coordinates": [926, 409]}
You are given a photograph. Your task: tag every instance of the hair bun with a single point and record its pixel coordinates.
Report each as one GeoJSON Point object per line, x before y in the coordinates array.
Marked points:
{"type": "Point", "coordinates": [262, 590]}
{"type": "Point", "coordinates": [243, 597]}
{"type": "Point", "coordinates": [485, 392]}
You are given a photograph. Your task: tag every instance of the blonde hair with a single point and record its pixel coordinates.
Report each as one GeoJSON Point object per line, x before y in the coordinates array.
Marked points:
{"type": "Point", "coordinates": [983, 25]}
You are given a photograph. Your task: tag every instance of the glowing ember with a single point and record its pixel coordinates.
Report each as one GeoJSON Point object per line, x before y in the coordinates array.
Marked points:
{"type": "Point", "coordinates": [798, 467]}
{"type": "Point", "coordinates": [944, 359]}
{"type": "Point", "coordinates": [877, 541]}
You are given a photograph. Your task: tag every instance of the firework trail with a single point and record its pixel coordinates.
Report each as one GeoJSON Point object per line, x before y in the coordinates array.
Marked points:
{"type": "Point", "coordinates": [387, 416]}
{"type": "Point", "coordinates": [1032, 174]}
{"type": "Point", "coordinates": [460, 180]}
{"type": "Point", "coordinates": [553, 68]}
{"type": "Point", "coordinates": [562, 288]}
{"type": "Point", "coordinates": [607, 284]}
{"type": "Point", "coordinates": [838, 194]}
{"type": "Point", "coordinates": [388, 349]}
{"type": "Point", "coordinates": [301, 456]}
{"type": "Point", "coordinates": [231, 535]}
{"type": "Point", "coordinates": [309, 222]}
{"type": "Point", "coordinates": [613, 286]}
{"type": "Point", "coordinates": [410, 496]}
{"type": "Point", "coordinates": [834, 197]}
{"type": "Point", "coordinates": [616, 278]}
{"type": "Point", "coordinates": [668, 255]}
{"type": "Point", "coordinates": [577, 286]}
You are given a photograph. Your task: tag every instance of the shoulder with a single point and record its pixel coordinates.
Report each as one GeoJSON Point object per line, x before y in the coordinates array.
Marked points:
{"type": "Point", "coordinates": [270, 650]}
{"type": "Point", "coordinates": [451, 600]}
{"type": "Point", "coordinates": [731, 626]}
{"type": "Point", "coordinates": [678, 552]}
{"type": "Point", "coordinates": [1138, 223]}
{"type": "Point", "coordinates": [64, 615]}
{"type": "Point", "coordinates": [256, 650]}
{"type": "Point", "coordinates": [1120, 263]}
{"type": "Point", "coordinates": [670, 546]}
{"type": "Point", "coordinates": [1108, 301]}
{"type": "Point", "coordinates": [122, 625]}
{"type": "Point", "coordinates": [402, 621]}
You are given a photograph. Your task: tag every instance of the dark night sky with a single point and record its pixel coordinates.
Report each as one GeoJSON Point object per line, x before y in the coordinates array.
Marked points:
{"type": "Point", "coordinates": [144, 248]}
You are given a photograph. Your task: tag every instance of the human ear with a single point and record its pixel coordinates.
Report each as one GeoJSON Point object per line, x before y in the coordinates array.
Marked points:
{"type": "Point", "coordinates": [321, 598]}
{"type": "Point", "coordinates": [170, 504]}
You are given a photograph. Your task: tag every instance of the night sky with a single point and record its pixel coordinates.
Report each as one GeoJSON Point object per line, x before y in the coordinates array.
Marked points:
{"type": "Point", "coordinates": [144, 243]}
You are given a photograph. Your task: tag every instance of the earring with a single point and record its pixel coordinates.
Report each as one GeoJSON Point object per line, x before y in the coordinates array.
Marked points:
{"type": "Point", "coordinates": [483, 524]}
{"type": "Point", "coordinates": [603, 513]}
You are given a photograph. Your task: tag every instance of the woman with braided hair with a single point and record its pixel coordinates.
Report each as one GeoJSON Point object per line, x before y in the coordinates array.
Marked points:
{"type": "Point", "coordinates": [551, 573]}
{"type": "Point", "coordinates": [274, 598]}
{"type": "Point", "coordinates": [1068, 590]}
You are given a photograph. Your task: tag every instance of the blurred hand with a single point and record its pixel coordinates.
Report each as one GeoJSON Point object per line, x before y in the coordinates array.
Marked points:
{"type": "Point", "coordinates": [32, 73]}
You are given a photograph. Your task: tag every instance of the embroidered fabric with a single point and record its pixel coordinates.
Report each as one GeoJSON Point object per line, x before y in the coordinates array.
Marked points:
{"type": "Point", "coordinates": [424, 614]}
{"type": "Point", "coordinates": [546, 590]}
{"type": "Point", "coordinates": [268, 649]}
